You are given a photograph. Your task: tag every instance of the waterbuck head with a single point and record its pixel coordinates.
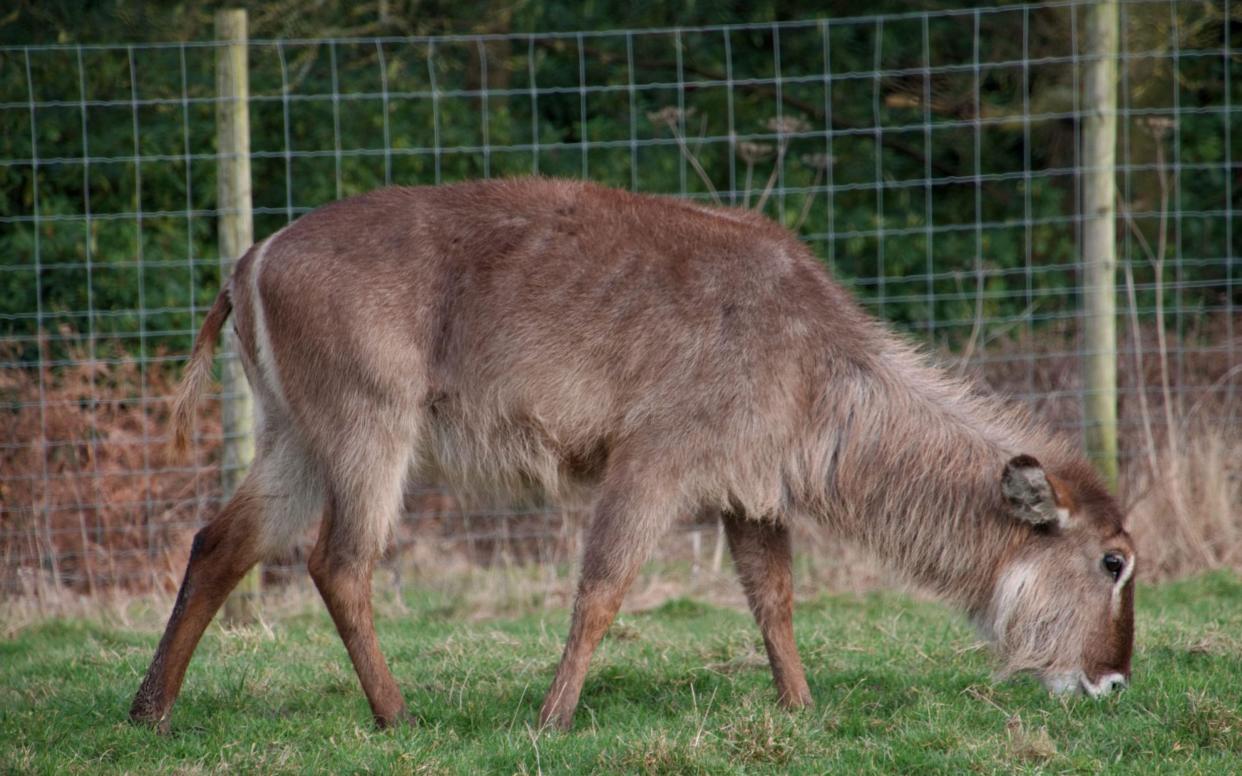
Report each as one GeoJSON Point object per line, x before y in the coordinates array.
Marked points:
{"type": "Point", "coordinates": [1062, 605]}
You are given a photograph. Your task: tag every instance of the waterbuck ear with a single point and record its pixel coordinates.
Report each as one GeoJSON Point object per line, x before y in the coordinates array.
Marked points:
{"type": "Point", "coordinates": [1030, 495]}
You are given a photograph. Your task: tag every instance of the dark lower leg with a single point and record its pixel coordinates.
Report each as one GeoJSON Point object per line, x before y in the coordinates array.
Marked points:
{"type": "Point", "coordinates": [594, 610]}
{"type": "Point", "coordinates": [762, 555]}
{"type": "Point", "coordinates": [221, 554]}
{"type": "Point", "coordinates": [617, 543]}
{"type": "Point", "coordinates": [345, 585]}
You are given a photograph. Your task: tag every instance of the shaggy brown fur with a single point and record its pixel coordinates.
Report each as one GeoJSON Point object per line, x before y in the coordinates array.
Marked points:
{"type": "Point", "coordinates": [656, 358]}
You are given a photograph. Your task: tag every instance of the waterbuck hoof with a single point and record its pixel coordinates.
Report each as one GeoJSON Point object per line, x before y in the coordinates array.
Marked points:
{"type": "Point", "coordinates": [559, 721]}
{"type": "Point", "coordinates": [160, 723]}
{"type": "Point", "coordinates": [402, 718]}
{"type": "Point", "coordinates": [796, 701]}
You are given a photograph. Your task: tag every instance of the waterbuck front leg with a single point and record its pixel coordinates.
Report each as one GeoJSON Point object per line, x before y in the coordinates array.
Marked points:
{"type": "Point", "coordinates": [222, 552]}
{"type": "Point", "coordinates": [762, 556]}
{"type": "Point", "coordinates": [351, 539]}
{"type": "Point", "coordinates": [622, 532]}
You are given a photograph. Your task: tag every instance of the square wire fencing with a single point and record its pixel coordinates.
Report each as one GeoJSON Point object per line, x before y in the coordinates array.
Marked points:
{"type": "Point", "coordinates": [934, 160]}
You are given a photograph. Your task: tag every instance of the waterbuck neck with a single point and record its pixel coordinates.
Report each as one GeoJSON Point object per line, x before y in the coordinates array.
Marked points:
{"type": "Point", "coordinates": [914, 465]}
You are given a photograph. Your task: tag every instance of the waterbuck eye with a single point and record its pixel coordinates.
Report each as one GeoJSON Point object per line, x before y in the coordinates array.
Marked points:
{"type": "Point", "coordinates": [1114, 564]}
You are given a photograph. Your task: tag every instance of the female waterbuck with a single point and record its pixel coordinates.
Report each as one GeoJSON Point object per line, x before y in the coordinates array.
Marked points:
{"type": "Point", "coordinates": [655, 358]}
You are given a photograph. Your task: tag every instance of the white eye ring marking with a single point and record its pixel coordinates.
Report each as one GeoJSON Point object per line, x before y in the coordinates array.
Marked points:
{"type": "Point", "coordinates": [1126, 572]}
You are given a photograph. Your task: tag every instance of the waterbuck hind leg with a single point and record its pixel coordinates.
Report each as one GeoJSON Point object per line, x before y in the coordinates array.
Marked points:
{"type": "Point", "coordinates": [222, 552]}
{"type": "Point", "coordinates": [618, 541]}
{"type": "Point", "coordinates": [761, 553]}
{"type": "Point", "coordinates": [351, 539]}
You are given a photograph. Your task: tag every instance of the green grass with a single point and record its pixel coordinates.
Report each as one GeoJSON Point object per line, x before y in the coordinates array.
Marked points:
{"type": "Point", "coordinates": [683, 688]}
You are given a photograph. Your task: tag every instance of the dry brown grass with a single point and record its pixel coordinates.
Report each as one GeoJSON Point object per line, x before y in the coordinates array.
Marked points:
{"type": "Point", "coordinates": [1187, 515]}
{"type": "Point", "coordinates": [91, 502]}
{"type": "Point", "coordinates": [89, 499]}
{"type": "Point", "coordinates": [1027, 745]}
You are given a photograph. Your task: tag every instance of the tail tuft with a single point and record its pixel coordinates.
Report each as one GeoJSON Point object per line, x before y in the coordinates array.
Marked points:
{"type": "Point", "coordinates": [197, 373]}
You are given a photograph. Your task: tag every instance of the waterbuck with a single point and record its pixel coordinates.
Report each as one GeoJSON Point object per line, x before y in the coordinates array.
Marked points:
{"type": "Point", "coordinates": [653, 358]}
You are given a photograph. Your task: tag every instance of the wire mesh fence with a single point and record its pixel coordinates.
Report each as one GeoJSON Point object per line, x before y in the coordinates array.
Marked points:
{"type": "Point", "coordinates": [933, 160]}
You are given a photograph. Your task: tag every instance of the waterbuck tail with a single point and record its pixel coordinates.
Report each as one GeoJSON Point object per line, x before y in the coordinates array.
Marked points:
{"type": "Point", "coordinates": [198, 372]}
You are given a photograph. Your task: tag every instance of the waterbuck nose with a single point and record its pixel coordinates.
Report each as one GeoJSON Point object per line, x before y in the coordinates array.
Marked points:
{"type": "Point", "coordinates": [1104, 685]}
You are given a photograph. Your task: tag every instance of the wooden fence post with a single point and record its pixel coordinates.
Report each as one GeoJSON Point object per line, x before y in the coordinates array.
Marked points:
{"type": "Point", "coordinates": [1099, 236]}
{"type": "Point", "coordinates": [236, 233]}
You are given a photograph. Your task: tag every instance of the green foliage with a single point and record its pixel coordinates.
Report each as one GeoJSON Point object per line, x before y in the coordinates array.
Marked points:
{"type": "Point", "coordinates": [683, 688]}
{"type": "Point", "coordinates": [125, 249]}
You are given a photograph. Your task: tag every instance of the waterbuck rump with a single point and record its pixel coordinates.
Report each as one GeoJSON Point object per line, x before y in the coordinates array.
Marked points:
{"type": "Point", "coordinates": [649, 358]}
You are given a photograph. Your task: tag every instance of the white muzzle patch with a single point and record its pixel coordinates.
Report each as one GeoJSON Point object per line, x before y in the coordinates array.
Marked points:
{"type": "Point", "coordinates": [1064, 684]}
{"type": "Point", "coordinates": [1102, 686]}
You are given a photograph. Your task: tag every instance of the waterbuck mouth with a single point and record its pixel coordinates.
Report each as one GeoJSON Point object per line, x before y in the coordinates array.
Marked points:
{"type": "Point", "coordinates": [1077, 681]}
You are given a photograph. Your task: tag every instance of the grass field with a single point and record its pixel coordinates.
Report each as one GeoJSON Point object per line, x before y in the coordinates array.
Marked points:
{"type": "Point", "coordinates": [683, 688]}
